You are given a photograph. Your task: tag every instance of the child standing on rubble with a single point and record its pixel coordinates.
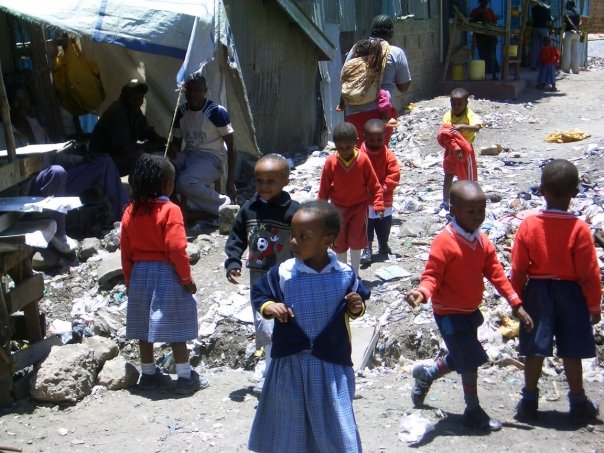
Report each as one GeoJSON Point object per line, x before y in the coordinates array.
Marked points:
{"type": "Point", "coordinates": [460, 258]}
{"type": "Point", "coordinates": [388, 172]}
{"type": "Point", "coordinates": [161, 306]}
{"type": "Point", "coordinates": [456, 136]}
{"type": "Point", "coordinates": [349, 182]}
{"type": "Point", "coordinates": [306, 404]}
{"type": "Point", "coordinates": [555, 270]}
{"type": "Point", "coordinates": [263, 227]}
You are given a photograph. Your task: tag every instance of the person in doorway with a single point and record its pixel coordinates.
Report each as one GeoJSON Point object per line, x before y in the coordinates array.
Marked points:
{"type": "Point", "coordinates": [203, 140]}
{"type": "Point", "coordinates": [122, 130]}
{"type": "Point", "coordinates": [541, 28]}
{"type": "Point", "coordinates": [487, 44]}
{"type": "Point", "coordinates": [571, 58]}
{"type": "Point", "coordinates": [396, 78]}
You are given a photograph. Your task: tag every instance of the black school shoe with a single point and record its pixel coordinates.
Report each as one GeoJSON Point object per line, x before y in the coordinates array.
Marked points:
{"type": "Point", "coordinates": [478, 419]}
{"type": "Point", "coordinates": [526, 410]}
{"type": "Point", "coordinates": [581, 413]}
{"type": "Point", "coordinates": [421, 386]}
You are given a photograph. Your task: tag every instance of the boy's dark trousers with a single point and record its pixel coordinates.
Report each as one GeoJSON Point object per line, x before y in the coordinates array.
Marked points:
{"type": "Point", "coordinates": [381, 227]}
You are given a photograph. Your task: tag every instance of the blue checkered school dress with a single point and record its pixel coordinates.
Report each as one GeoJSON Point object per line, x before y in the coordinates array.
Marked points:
{"type": "Point", "coordinates": [306, 403]}
{"type": "Point", "coordinates": [159, 308]}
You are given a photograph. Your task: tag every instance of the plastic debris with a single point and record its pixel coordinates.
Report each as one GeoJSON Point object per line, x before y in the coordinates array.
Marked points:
{"type": "Point", "coordinates": [413, 428]}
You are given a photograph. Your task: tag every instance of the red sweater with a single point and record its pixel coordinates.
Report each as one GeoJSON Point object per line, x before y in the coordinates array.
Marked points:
{"type": "Point", "coordinates": [549, 55]}
{"type": "Point", "coordinates": [157, 236]}
{"type": "Point", "coordinates": [349, 186]}
{"type": "Point", "coordinates": [454, 273]}
{"type": "Point", "coordinates": [386, 169]}
{"type": "Point", "coordinates": [557, 245]}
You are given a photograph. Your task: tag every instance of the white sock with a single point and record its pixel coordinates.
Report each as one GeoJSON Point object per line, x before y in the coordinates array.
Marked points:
{"type": "Point", "coordinates": [183, 370]}
{"type": "Point", "coordinates": [148, 368]}
{"type": "Point", "coordinates": [267, 357]}
{"type": "Point", "coordinates": [341, 257]}
{"type": "Point", "coordinates": [355, 260]}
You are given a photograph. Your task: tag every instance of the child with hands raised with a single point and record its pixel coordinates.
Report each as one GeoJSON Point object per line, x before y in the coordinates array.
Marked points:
{"type": "Point", "coordinates": [306, 404]}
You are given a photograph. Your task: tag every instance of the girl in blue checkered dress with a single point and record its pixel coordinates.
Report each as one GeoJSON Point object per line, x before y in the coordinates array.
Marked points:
{"type": "Point", "coordinates": [161, 307]}
{"type": "Point", "coordinates": [306, 403]}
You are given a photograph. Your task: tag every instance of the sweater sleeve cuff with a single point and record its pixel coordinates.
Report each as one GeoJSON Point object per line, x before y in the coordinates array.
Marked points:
{"type": "Point", "coordinates": [426, 293]}
{"type": "Point", "coordinates": [357, 315]}
{"type": "Point", "coordinates": [514, 300]}
{"type": "Point", "coordinates": [186, 280]}
{"type": "Point", "coordinates": [263, 307]}
{"type": "Point", "coordinates": [232, 266]}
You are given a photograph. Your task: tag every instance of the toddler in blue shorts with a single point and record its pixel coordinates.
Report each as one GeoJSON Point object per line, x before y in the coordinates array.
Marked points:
{"type": "Point", "coordinates": [556, 272]}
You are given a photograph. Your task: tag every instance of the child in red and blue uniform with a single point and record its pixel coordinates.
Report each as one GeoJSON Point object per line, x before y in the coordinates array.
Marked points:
{"type": "Point", "coordinates": [555, 270]}
{"type": "Point", "coordinates": [460, 258]}
{"type": "Point", "coordinates": [349, 182]}
{"type": "Point", "coordinates": [388, 172]}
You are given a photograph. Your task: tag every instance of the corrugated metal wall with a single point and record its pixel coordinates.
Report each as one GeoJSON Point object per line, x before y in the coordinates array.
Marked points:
{"type": "Point", "coordinates": [279, 66]}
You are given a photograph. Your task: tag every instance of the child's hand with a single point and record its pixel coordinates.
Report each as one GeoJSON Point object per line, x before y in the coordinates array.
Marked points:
{"type": "Point", "coordinates": [524, 317]}
{"type": "Point", "coordinates": [191, 288]}
{"type": "Point", "coordinates": [339, 108]}
{"type": "Point", "coordinates": [279, 310]}
{"type": "Point", "coordinates": [595, 319]}
{"type": "Point", "coordinates": [415, 298]}
{"type": "Point", "coordinates": [232, 276]}
{"type": "Point", "coordinates": [355, 303]}
{"type": "Point", "coordinates": [380, 213]}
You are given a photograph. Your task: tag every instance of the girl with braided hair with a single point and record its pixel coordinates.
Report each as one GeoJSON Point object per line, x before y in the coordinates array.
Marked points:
{"type": "Point", "coordinates": [161, 306]}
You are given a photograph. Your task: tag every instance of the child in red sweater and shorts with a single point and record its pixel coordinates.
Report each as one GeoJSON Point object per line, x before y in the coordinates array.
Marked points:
{"type": "Point", "coordinates": [349, 182]}
{"type": "Point", "coordinates": [555, 270]}
{"type": "Point", "coordinates": [388, 172]}
{"type": "Point", "coordinates": [460, 257]}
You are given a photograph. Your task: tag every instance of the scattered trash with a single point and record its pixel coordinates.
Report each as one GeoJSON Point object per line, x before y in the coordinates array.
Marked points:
{"type": "Point", "coordinates": [571, 135]}
{"type": "Point", "coordinates": [493, 150]}
{"type": "Point", "coordinates": [414, 427]}
{"type": "Point", "coordinates": [392, 272]}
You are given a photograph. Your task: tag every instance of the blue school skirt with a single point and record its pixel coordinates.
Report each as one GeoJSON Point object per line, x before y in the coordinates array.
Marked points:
{"type": "Point", "coordinates": [159, 308]}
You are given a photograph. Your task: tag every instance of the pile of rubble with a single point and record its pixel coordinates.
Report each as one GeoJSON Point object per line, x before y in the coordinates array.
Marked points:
{"type": "Point", "coordinates": [90, 300]}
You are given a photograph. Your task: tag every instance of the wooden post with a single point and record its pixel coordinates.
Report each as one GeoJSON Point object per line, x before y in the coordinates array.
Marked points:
{"type": "Point", "coordinates": [6, 122]}
{"type": "Point", "coordinates": [6, 362]}
{"type": "Point", "coordinates": [452, 38]}
{"type": "Point", "coordinates": [506, 51]}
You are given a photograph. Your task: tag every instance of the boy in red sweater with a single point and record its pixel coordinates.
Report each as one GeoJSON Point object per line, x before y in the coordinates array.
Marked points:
{"type": "Point", "coordinates": [349, 182]}
{"type": "Point", "coordinates": [460, 257]}
{"type": "Point", "coordinates": [555, 269]}
{"type": "Point", "coordinates": [550, 58]}
{"type": "Point", "coordinates": [388, 173]}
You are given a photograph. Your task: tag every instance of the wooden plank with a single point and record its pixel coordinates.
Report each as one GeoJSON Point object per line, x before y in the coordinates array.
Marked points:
{"type": "Point", "coordinates": [32, 316]}
{"type": "Point", "coordinates": [6, 121]}
{"type": "Point", "coordinates": [8, 219]}
{"type": "Point", "coordinates": [6, 363]}
{"type": "Point", "coordinates": [35, 353]}
{"type": "Point", "coordinates": [29, 290]}
{"type": "Point", "coordinates": [16, 172]}
{"type": "Point", "coordinates": [10, 260]}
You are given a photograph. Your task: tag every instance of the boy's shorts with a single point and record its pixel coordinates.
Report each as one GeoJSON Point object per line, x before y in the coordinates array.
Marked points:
{"type": "Point", "coordinates": [353, 230]}
{"type": "Point", "coordinates": [459, 332]}
{"type": "Point", "coordinates": [558, 310]}
{"type": "Point", "coordinates": [463, 169]}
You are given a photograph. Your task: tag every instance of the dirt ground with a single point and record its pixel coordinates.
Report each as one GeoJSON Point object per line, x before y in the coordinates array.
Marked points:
{"type": "Point", "coordinates": [219, 418]}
